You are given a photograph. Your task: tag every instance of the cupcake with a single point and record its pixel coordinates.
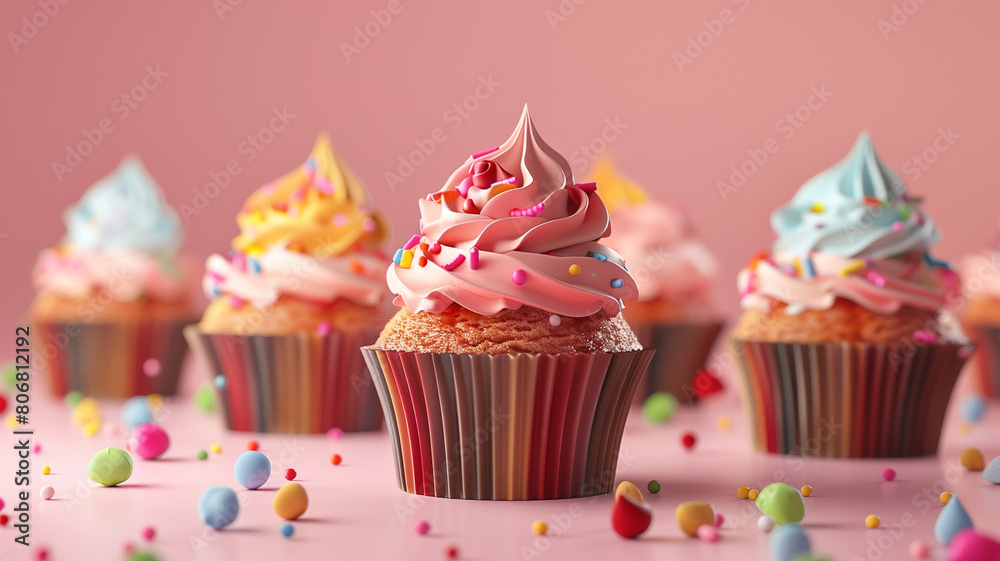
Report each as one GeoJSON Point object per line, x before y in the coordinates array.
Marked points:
{"type": "Point", "coordinates": [844, 348]}
{"type": "Point", "coordinates": [301, 290]}
{"type": "Point", "coordinates": [675, 274]}
{"type": "Point", "coordinates": [113, 296]}
{"type": "Point", "coordinates": [981, 315]}
{"type": "Point", "coordinates": [508, 372]}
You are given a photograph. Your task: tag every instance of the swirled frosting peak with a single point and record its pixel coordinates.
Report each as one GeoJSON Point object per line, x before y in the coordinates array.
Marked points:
{"type": "Point", "coordinates": [310, 234]}
{"type": "Point", "coordinates": [320, 208]}
{"type": "Point", "coordinates": [850, 232]}
{"type": "Point", "coordinates": [857, 208]}
{"type": "Point", "coordinates": [123, 211]}
{"type": "Point", "coordinates": [511, 227]}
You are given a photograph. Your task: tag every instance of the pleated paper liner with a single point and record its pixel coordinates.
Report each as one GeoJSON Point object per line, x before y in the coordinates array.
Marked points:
{"type": "Point", "coordinates": [506, 427]}
{"type": "Point", "coordinates": [681, 350]}
{"type": "Point", "coordinates": [850, 400]}
{"type": "Point", "coordinates": [296, 383]}
{"type": "Point", "coordinates": [106, 360]}
{"type": "Point", "coordinates": [985, 363]}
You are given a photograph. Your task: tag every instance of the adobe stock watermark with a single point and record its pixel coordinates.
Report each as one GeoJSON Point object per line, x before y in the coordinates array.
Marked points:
{"type": "Point", "coordinates": [899, 16]}
{"type": "Point", "coordinates": [249, 149]}
{"type": "Point", "coordinates": [695, 45]}
{"type": "Point", "coordinates": [365, 33]}
{"type": "Point", "coordinates": [786, 127]}
{"type": "Point", "coordinates": [32, 25]}
{"type": "Point", "coordinates": [562, 12]}
{"type": "Point", "coordinates": [225, 7]}
{"type": "Point", "coordinates": [915, 167]}
{"type": "Point", "coordinates": [121, 107]}
{"type": "Point", "coordinates": [581, 158]}
{"type": "Point", "coordinates": [454, 117]}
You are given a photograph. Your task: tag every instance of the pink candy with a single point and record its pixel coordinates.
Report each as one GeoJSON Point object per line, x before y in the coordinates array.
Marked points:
{"type": "Point", "coordinates": [149, 441]}
{"type": "Point", "coordinates": [925, 337]}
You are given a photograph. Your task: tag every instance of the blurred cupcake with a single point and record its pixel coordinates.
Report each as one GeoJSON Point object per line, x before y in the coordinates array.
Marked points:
{"type": "Point", "coordinates": [981, 315]}
{"type": "Point", "coordinates": [302, 289]}
{"type": "Point", "coordinates": [113, 297]}
{"type": "Point", "coordinates": [509, 371]}
{"type": "Point", "coordinates": [843, 344]}
{"type": "Point", "coordinates": [675, 274]}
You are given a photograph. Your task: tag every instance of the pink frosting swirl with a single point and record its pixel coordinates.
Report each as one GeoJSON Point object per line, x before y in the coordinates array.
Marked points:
{"type": "Point", "coordinates": [883, 285]}
{"type": "Point", "coordinates": [511, 228]}
{"type": "Point", "coordinates": [279, 271]}
{"type": "Point", "coordinates": [126, 275]}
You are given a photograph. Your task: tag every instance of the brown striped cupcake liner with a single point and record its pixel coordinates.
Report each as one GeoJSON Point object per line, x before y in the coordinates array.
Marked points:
{"type": "Point", "coordinates": [506, 427]}
{"type": "Point", "coordinates": [296, 383]}
{"type": "Point", "coordinates": [109, 360]}
{"type": "Point", "coordinates": [848, 400]}
{"type": "Point", "coordinates": [681, 350]}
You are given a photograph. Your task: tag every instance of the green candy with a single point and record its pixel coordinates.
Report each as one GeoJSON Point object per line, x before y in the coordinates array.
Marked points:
{"type": "Point", "coordinates": [73, 397]}
{"type": "Point", "coordinates": [110, 466]}
{"type": "Point", "coordinates": [660, 407]}
{"type": "Point", "coordinates": [808, 557]}
{"type": "Point", "coordinates": [202, 455]}
{"type": "Point", "coordinates": [782, 503]}
{"type": "Point", "coordinates": [204, 398]}
{"type": "Point", "coordinates": [142, 556]}
{"type": "Point", "coordinates": [9, 374]}
{"type": "Point", "coordinates": [653, 486]}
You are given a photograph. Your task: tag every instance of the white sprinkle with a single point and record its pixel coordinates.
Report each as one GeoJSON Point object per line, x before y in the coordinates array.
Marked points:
{"type": "Point", "coordinates": [555, 320]}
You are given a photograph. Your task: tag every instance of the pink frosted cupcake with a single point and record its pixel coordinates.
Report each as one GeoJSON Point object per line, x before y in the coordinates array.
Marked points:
{"type": "Point", "coordinates": [509, 372]}
{"type": "Point", "coordinates": [675, 274]}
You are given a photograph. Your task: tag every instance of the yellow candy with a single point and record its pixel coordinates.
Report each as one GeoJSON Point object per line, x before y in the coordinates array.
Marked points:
{"type": "Point", "coordinates": [724, 423]}
{"type": "Point", "coordinates": [154, 400]}
{"type": "Point", "coordinates": [752, 495]}
{"type": "Point", "coordinates": [291, 501]}
{"type": "Point", "coordinates": [945, 497]}
{"type": "Point", "coordinates": [86, 411]}
{"type": "Point", "coordinates": [407, 259]}
{"type": "Point", "coordinates": [816, 208]}
{"type": "Point", "coordinates": [574, 270]}
{"type": "Point", "coordinates": [11, 421]}
{"type": "Point", "coordinates": [972, 459]}
{"type": "Point", "coordinates": [539, 527]}
{"type": "Point", "coordinates": [216, 448]}
{"type": "Point", "coordinates": [46, 470]}
{"type": "Point", "coordinates": [743, 492]}
{"type": "Point", "coordinates": [806, 490]}
{"type": "Point", "coordinates": [964, 428]}
{"type": "Point", "coordinates": [692, 515]}
{"type": "Point", "coordinates": [872, 521]}
{"type": "Point", "coordinates": [629, 489]}
{"type": "Point", "coordinates": [90, 429]}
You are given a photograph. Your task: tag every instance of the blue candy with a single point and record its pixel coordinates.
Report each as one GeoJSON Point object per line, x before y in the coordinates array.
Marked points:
{"type": "Point", "coordinates": [252, 469]}
{"type": "Point", "coordinates": [218, 507]}
{"type": "Point", "coordinates": [787, 541]}
{"type": "Point", "coordinates": [951, 521]}
{"type": "Point", "coordinates": [973, 407]}
{"type": "Point", "coordinates": [136, 412]}
{"type": "Point", "coordinates": [287, 530]}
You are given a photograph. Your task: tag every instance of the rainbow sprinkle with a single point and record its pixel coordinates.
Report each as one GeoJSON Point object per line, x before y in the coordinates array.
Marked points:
{"type": "Point", "coordinates": [413, 242]}
{"type": "Point", "coordinates": [407, 259]}
{"type": "Point", "coordinates": [458, 260]}
{"type": "Point", "coordinates": [816, 208]}
{"type": "Point", "coordinates": [617, 283]}
{"type": "Point", "coordinates": [876, 278]}
{"type": "Point", "coordinates": [599, 256]}
{"type": "Point", "coordinates": [810, 270]}
{"type": "Point", "coordinates": [922, 336]}
{"type": "Point", "coordinates": [529, 212]}
{"type": "Point", "coordinates": [398, 257]}
{"type": "Point", "coordinates": [934, 262]}
{"type": "Point", "coordinates": [853, 267]}
{"type": "Point", "coordinates": [474, 258]}
{"type": "Point", "coordinates": [484, 152]}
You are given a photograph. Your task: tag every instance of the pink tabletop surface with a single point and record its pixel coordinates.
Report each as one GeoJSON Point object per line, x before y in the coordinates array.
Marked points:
{"type": "Point", "coordinates": [356, 512]}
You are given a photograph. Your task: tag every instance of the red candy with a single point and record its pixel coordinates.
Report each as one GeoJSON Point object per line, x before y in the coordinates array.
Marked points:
{"type": "Point", "coordinates": [629, 518]}
{"type": "Point", "coordinates": [451, 552]}
{"type": "Point", "coordinates": [3, 519]}
{"type": "Point", "coordinates": [290, 474]}
{"type": "Point", "coordinates": [688, 440]}
{"type": "Point", "coordinates": [336, 459]}
{"type": "Point", "coordinates": [252, 445]}
{"type": "Point", "coordinates": [3, 403]}
{"type": "Point", "coordinates": [705, 383]}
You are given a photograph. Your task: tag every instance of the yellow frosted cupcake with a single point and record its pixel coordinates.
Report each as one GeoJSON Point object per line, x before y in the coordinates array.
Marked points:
{"type": "Point", "coordinates": [301, 290]}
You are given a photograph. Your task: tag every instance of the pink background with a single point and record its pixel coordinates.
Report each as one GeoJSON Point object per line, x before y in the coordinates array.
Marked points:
{"type": "Point", "coordinates": [685, 127]}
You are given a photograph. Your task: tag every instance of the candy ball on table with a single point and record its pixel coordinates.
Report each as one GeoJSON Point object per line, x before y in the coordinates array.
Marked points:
{"type": "Point", "coordinates": [136, 412]}
{"type": "Point", "coordinates": [218, 507]}
{"type": "Point", "coordinates": [110, 467]}
{"type": "Point", "coordinates": [149, 441]}
{"type": "Point", "coordinates": [252, 469]}
{"type": "Point", "coordinates": [291, 501]}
